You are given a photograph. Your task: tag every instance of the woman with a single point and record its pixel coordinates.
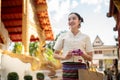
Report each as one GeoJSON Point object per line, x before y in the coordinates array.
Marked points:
{"type": "Point", "coordinates": [75, 46]}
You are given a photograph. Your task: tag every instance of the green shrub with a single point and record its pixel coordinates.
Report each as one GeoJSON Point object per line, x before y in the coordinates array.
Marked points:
{"type": "Point", "coordinates": [27, 77]}
{"type": "Point", "coordinates": [40, 76]}
{"type": "Point", "coordinates": [12, 76]}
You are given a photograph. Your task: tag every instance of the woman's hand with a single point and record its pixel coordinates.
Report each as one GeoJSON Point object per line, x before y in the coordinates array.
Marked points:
{"type": "Point", "coordinates": [77, 52]}
{"type": "Point", "coordinates": [68, 56]}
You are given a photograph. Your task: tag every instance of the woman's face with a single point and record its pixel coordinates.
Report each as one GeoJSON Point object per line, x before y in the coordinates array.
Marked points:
{"type": "Point", "coordinates": [73, 21]}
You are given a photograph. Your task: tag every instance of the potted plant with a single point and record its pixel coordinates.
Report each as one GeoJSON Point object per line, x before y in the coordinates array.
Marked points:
{"type": "Point", "coordinates": [40, 76]}
{"type": "Point", "coordinates": [12, 76]}
{"type": "Point", "coordinates": [27, 77]}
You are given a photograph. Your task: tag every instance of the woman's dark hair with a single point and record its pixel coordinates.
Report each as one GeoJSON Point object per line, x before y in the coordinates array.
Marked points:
{"type": "Point", "coordinates": [78, 15]}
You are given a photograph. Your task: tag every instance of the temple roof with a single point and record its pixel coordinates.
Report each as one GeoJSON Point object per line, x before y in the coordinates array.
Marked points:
{"type": "Point", "coordinates": [11, 16]}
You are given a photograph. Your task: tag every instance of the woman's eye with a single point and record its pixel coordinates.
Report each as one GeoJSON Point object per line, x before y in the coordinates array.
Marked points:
{"type": "Point", "coordinates": [68, 19]}
{"type": "Point", "coordinates": [74, 18]}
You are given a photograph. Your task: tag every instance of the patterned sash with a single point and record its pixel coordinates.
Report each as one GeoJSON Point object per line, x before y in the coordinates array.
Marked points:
{"type": "Point", "coordinates": [70, 70]}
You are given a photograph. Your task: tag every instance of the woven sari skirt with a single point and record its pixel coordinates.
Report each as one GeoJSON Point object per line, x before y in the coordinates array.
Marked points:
{"type": "Point", "coordinates": [70, 70]}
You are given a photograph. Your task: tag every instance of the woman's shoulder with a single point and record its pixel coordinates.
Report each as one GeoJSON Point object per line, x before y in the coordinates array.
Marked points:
{"type": "Point", "coordinates": [85, 35]}
{"type": "Point", "coordinates": [63, 34]}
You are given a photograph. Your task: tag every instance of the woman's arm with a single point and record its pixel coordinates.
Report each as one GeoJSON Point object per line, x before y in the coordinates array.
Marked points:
{"type": "Point", "coordinates": [57, 55]}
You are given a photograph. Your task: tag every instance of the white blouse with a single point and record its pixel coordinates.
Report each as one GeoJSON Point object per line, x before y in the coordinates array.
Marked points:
{"type": "Point", "coordinates": [68, 41]}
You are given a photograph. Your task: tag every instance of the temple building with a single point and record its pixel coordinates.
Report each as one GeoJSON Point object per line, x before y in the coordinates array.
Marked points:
{"type": "Point", "coordinates": [104, 55]}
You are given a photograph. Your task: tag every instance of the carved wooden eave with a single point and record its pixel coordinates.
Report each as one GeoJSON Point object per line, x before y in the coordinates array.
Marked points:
{"type": "Point", "coordinates": [114, 11]}
{"type": "Point", "coordinates": [111, 9]}
{"type": "Point", "coordinates": [16, 18]}
{"type": "Point", "coordinates": [12, 17]}
{"type": "Point", "coordinates": [117, 4]}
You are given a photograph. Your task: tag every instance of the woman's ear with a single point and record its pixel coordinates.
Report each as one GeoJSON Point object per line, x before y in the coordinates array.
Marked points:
{"type": "Point", "coordinates": [79, 24]}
